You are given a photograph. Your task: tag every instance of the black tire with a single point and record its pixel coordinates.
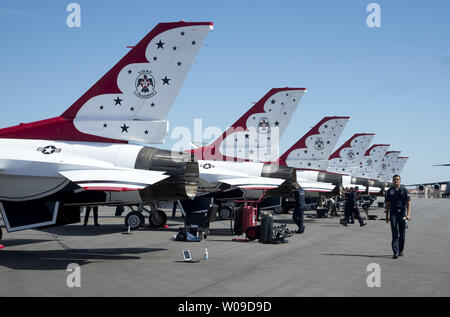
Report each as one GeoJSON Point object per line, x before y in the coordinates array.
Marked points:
{"type": "Point", "coordinates": [225, 212]}
{"type": "Point", "coordinates": [157, 219]}
{"type": "Point", "coordinates": [134, 220]}
{"type": "Point", "coordinates": [278, 210]}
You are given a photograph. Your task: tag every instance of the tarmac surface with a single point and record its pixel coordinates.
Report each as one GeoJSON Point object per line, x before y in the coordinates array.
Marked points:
{"type": "Point", "coordinates": [327, 260]}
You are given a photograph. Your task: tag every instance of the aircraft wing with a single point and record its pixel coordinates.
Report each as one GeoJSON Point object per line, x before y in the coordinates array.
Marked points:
{"type": "Point", "coordinates": [319, 187]}
{"type": "Point", "coordinates": [374, 190]}
{"type": "Point", "coordinates": [428, 184]}
{"type": "Point", "coordinates": [442, 165]}
{"type": "Point", "coordinates": [115, 180]}
{"type": "Point", "coordinates": [254, 182]}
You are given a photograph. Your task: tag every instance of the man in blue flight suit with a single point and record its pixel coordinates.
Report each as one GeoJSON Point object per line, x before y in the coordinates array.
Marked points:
{"type": "Point", "coordinates": [355, 206]}
{"type": "Point", "coordinates": [346, 206]}
{"type": "Point", "coordinates": [398, 210]}
{"type": "Point", "coordinates": [300, 207]}
{"type": "Point", "coordinates": [86, 216]}
{"type": "Point", "coordinates": [352, 207]}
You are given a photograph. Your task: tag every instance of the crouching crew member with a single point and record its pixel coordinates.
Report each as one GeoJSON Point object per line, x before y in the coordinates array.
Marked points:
{"type": "Point", "coordinates": [398, 211]}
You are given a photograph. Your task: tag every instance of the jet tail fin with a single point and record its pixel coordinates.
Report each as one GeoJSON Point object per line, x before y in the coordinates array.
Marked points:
{"type": "Point", "coordinates": [372, 160]}
{"type": "Point", "coordinates": [347, 159]}
{"type": "Point", "coordinates": [255, 136]}
{"type": "Point", "coordinates": [314, 148]}
{"type": "Point", "coordinates": [400, 164]}
{"type": "Point", "coordinates": [387, 168]}
{"type": "Point", "coordinates": [131, 101]}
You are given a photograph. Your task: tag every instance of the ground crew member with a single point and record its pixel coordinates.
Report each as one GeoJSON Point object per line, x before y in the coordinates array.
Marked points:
{"type": "Point", "coordinates": [347, 210]}
{"type": "Point", "coordinates": [86, 216]}
{"type": "Point", "coordinates": [299, 210]}
{"type": "Point", "coordinates": [119, 211]}
{"type": "Point", "coordinates": [398, 210]}
{"type": "Point", "coordinates": [355, 207]}
{"type": "Point", "coordinates": [352, 207]}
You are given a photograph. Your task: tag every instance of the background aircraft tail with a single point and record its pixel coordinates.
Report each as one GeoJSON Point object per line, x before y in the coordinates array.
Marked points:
{"type": "Point", "coordinates": [399, 165]}
{"type": "Point", "coordinates": [314, 148]}
{"type": "Point", "coordinates": [130, 102]}
{"type": "Point", "coordinates": [372, 160]}
{"type": "Point", "coordinates": [347, 159]}
{"type": "Point", "coordinates": [387, 167]}
{"type": "Point", "coordinates": [255, 136]}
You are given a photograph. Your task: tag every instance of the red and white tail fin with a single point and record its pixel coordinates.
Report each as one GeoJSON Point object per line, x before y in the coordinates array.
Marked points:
{"type": "Point", "coordinates": [372, 160]}
{"type": "Point", "coordinates": [399, 165]}
{"type": "Point", "coordinates": [347, 159]}
{"type": "Point", "coordinates": [314, 148]}
{"type": "Point", "coordinates": [387, 167]}
{"type": "Point", "coordinates": [255, 136]}
{"type": "Point", "coordinates": [130, 102]}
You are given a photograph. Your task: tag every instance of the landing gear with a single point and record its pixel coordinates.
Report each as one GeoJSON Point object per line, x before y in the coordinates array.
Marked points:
{"type": "Point", "coordinates": [278, 210]}
{"type": "Point", "coordinates": [225, 212]}
{"type": "Point", "coordinates": [136, 219]}
{"type": "Point", "coordinates": [157, 218]}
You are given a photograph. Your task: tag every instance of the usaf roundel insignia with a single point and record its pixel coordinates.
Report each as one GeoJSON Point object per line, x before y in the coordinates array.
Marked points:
{"type": "Point", "coordinates": [145, 85]}
{"type": "Point", "coordinates": [50, 149]}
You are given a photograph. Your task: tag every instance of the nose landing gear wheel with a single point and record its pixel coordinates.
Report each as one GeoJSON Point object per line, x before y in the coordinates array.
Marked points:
{"type": "Point", "coordinates": [134, 220]}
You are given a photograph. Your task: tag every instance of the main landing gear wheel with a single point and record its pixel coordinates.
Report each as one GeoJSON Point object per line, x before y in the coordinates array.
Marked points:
{"type": "Point", "coordinates": [157, 218]}
{"type": "Point", "coordinates": [225, 213]}
{"type": "Point", "coordinates": [134, 220]}
{"type": "Point", "coordinates": [278, 210]}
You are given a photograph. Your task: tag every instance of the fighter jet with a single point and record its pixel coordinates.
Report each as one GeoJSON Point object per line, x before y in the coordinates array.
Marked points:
{"type": "Point", "coordinates": [231, 168]}
{"type": "Point", "coordinates": [317, 164]}
{"type": "Point", "coordinates": [88, 155]}
{"type": "Point", "coordinates": [309, 155]}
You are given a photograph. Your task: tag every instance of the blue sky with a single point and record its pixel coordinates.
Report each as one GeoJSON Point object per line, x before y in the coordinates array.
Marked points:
{"type": "Point", "coordinates": [393, 81]}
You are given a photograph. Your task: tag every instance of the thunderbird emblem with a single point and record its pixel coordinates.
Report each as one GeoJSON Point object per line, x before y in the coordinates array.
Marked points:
{"type": "Point", "coordinates": [319, 144]}
{"type": "Point", "coordinates": [264, 125]}
{"type": "Point", "coordinates": [350, 155]}
{"type": "Point", "coordinates": [145, 85]}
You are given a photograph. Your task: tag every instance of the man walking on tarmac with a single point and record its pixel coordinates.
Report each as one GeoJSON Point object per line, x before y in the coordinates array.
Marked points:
{"type": "Point", "coordinates": [299, 210]}
{"type": "Point", "coordinates": [398, 212]}
{"type": "Point", "coordinates": [352, 208]}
